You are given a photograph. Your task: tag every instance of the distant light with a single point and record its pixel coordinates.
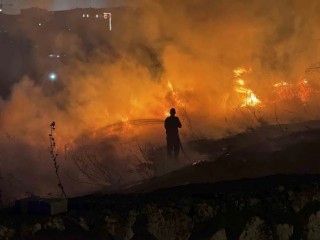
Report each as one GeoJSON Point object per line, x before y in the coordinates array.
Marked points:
{"type": "Point", "coordinates": [58, 56]}
{"type": "Point", "coordinates": [83, 15]}
{"type": "Point", "coordinates": [87, 15]}
{"type": "Point", "coordinates": [51, 55]}
{"type": "Point", "coordinates": [53, 76]}
{"type": "Point", "coordinates": [39, 24]}
{"type": "Point", "coordinates": [97, 16]}
{"type": "Point", "coordinates": [0, 9]}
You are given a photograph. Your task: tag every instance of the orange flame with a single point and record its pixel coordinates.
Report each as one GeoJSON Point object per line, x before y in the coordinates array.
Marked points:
{"type": "Point", "coordinates": [248, 97]}
{"type": "Point", "coordinates": [176, 99]}
{"type": "Point", "coordinates": [286, 91]}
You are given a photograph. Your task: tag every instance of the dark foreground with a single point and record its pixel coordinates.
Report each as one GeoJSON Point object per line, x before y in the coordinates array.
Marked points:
{"type": "Point", "coordinates": [274, 207]}
{"type": "Point", "coordinates": [205, 201]}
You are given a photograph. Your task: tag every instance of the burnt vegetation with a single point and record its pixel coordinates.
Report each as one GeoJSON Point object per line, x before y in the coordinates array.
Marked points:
{"type": "Point", "coordinates": [54, 156]}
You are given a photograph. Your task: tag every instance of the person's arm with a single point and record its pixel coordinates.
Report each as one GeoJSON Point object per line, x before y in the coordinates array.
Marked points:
{"type": "Point", "coordinates": [165, 124]}
{"type": "Point", "coordinates": [179, 123]}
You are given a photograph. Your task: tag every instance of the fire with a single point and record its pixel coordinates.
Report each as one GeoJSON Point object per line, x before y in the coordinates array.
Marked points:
{"type": "Point", "coordinates": [248, 97]}
{"type": "Point", "coordinates": [238, 72]}
{"type": "Point", "coordinates": [175, 96]}
{"type": "Point", "coordinates": [280, 84]}
{"type": "Point", "coordinates": [124, 120]}
{"type": "Point", "coordinates": [288, 91]}
{"type": "Point", "coordinates": [251, 99]}
{"type": "Point", "coordinates": [240, 82]}
{"type": "Point", "coordinates": [170, 86]}
{"type": "Point", "coordinates": [283, 90]}
{"type": "Point", "coordinates": [304, 90]}
{"type": "Point", "coordinates": [177, 100]}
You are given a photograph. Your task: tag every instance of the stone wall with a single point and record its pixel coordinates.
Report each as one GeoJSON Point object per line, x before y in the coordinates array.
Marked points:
{"type": "Point", "coordinates": [253, 210]}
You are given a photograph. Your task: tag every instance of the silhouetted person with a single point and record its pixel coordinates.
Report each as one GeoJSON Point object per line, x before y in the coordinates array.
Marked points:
{"type": "Point", "coordinates": [171, 125]}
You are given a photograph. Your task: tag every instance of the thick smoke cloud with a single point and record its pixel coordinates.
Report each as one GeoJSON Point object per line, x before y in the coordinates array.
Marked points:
{"type": "Point", "coordinates": [125, 74]}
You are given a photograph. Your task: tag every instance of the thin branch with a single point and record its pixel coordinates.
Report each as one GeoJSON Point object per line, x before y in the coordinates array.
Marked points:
{"type": "Point", "coordinates": [54, 156]}
{"type": "Point", "coordinates": [276, 117]}
{"type": "Point", "coordinates": [95, 171]}
{"type": "Point", "coordinates": [27, 190]}
{"type": "Point", "coordinates": [189, 121]}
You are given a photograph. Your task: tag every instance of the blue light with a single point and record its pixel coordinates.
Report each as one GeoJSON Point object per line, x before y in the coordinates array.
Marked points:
{"type": "Point", "coordinates": [53, 76]}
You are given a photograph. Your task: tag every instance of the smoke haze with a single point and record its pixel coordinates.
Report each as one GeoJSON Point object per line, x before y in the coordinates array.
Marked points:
{"type": "Point", "coordinates": [159, 54]}
{"type": "Point", "coordinates": [15, 6]}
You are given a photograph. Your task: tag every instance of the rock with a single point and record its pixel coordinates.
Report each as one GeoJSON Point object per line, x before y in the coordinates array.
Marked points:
{"type": "Point", "coordinates": [25, 231]}
{"type": "Point", "coordinates": [203, 212]}
{"type": "Point", "coordinates": [109, 219]}
{"type": "Point", "coordinates": [281, 188]}
{"type": "Point", "coordinates": [127, 230]}
{"type": "Point", "coordinates": [313, 227]}
{"type": "Point", "coordinates": [316, 196]}
{"type": "Point", "coordinates": [116, 229]}
{"type": "Point", "coordinates": [290, 195]}
{"type": "Point", "coordinates": [6, 233]}
{"type": "Point", "coordinates": [221, 235]}
{"type": "Point", "coordinates": [36, 228]}
{"type": "Point", "coordinates": [110, 226]}
{"type": "Point", "coordinates": [299, 201]}
{"type": "Point", "coordinates": [284, 231]}
{"type": "Point", "coordinates": [256, 229]}
{"type": "Point", "coordinates": [240, 204]}
{"type": "Point", "coordinates": [253, 202]}
{"type": "Point", "coordinates": [83, 224]}
{"type": "Point", "coordinates": [55, 223]}
{"type": "Point", "coordinates": [169, 224]}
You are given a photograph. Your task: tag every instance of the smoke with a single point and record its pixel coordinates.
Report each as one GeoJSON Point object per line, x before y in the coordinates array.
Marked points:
{"type": "Point", "coordinates": [159, 54]}
{"type": "Point", "coordinates": [15, 6]}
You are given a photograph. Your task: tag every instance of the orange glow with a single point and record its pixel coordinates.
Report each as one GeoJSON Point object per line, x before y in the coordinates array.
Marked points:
{"type": "Point", "coordinates": [304, 90]}
{"type": "Point", "coordinates": [177, 100]}
{"type": "Point", "coordinates": [301, 90]}
{"type": "Point", "coordinates": [247, 96]}
{"type": "Point", "coordinates": [170, 86]}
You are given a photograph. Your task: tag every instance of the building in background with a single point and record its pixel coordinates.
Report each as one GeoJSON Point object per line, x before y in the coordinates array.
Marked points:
{"type": "Point", "coordinates": [15, 6]}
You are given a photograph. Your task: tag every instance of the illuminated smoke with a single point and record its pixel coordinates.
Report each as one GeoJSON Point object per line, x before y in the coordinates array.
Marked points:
{"type": "Point", "coordinates": [118, 85]}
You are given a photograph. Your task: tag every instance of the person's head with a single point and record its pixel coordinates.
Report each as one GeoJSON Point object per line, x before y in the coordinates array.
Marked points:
{"type": "Point", "coordinates": [172, 111]}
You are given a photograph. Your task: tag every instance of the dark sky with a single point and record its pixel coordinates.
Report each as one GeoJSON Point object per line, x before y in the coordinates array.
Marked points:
{"type": "Point", "coordinates": [15, 6]}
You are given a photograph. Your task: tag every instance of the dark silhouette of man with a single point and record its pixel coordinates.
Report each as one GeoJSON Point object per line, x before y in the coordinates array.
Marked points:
{"type": "Point", "coordinates": [171, 125]}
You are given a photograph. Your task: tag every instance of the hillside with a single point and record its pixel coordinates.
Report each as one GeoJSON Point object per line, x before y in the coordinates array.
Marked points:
{"type": "Point", "coordinates": [262, 185]}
